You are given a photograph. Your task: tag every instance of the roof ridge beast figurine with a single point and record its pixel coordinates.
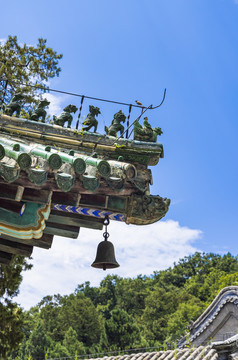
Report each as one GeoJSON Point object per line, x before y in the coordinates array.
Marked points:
{"type": "Point", "coordinates": [90, 120]}
{"type": "Point", "coordinates": [116, 124]}
{"type": "Point", "coordinates": [146, 132]}
{"type": "Point", "coordinates": [65, 116]}
{"type": "Point", "coordinates": [39, 111]}
{"type": "Point", "coordinates": [14, 105]}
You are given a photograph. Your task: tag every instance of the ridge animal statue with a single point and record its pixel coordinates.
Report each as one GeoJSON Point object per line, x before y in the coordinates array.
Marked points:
{"type": "Point", "coordinates": [39, 111]}
{"type": "Point", "coordinates": [14, 105]}
{"type": "Point", "coordinates": [146, 132]}
{"type": "Point", "coordinates": [90, 120]}
{"type": "Point", "coordinates": [65, 116]}
{"type": "Point", "coordinates": [116, 124]}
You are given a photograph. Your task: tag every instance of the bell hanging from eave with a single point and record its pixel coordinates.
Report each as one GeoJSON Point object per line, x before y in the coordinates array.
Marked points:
{"type": "Point", "coordinates": [105, 257]}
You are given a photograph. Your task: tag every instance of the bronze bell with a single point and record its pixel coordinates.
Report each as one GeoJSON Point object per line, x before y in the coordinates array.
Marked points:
{"type": "Point", "coordinates": [105, 257]}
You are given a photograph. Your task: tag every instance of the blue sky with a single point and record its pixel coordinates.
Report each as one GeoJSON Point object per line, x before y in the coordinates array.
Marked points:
{"type": "Point", "coordinates": [133, 49]}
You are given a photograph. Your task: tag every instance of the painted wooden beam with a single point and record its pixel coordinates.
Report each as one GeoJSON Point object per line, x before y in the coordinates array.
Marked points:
{"type": "Point", "coordinates": [61, 230]}
{"type": "Point", "coordinates": [15, 248]}
{"type": "Point", "coordinates": [36, 195]}
{"type": "Point", "coordinates": [13, 206]}
{"type": "Point", "coordinates": [58, 217]}
{"type": "Point", "coordinates": [8, 191]}
{"type": "Point", "coordinates": [69, 198]}
{"type": "Point", "coordinates": [44, 242]}
{"type": "Point", "coordinates": [5, 258]}
{"type": "Point", "coordinates": [11, 192]}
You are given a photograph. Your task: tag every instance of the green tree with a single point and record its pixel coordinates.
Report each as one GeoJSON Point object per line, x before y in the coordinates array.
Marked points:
{"type": "Point", "coordinates": [122, 331]}
{"type": "Point", "coordinates": [38, 342]}
{"type": "Point", "coordinates": [204, 287]}
{"type": "Point", "coordinates": [26, 64]}
{"type": "Point", "coordinates": [89, 291]}
{"type": "Point", "coordinates": [107, 296]}
{"type": "Point", "coordinates": [49, 309]}
{"type": "Point", "coordinates": [159, 305]}
{"type": "Point", "coordinates": [178, 322]}
{"type": "Point", "coordinates": [228, 280]}
{"type": "Point", "coordinates": [72, 344]}
{"type": "Point", "coordinates": [11, 277]}
{"type": "Point", "coordinates": [10, 327]}
{"type": "Point", "coordinates": [78, 312]}
{"type": "Point", "coordinates": [57, 351]}
{"type": "Point", "coordinates": [123, 313]}
{"type": "Point", "coordinates": [202, 264]}
{"type": "Point", "coordinates": [11, 319]}
{"type": "Point", "coordinates": [131, 294]}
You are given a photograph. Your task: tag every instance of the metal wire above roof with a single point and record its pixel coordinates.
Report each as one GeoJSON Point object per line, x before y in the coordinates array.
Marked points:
{"type": "Point", "coordinates": [39, 87]}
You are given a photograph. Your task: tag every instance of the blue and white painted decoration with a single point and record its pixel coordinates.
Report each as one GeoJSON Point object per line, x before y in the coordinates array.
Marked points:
{"type": "Point", "coordinates": [89, 212]}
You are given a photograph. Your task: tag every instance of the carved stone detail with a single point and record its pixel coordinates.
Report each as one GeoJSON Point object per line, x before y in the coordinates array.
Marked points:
{"type": "Point", "coordinates": [146, 209]}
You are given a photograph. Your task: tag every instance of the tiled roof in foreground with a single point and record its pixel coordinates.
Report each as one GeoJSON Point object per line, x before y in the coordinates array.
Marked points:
{"type": "Point", "coordinates": [200, 353]}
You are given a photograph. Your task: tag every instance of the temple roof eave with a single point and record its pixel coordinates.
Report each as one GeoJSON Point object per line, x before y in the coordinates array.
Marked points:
{"type": "Point", "coordinates": [80, 177]}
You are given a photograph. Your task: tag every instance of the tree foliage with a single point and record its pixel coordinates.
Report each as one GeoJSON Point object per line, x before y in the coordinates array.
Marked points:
{"type": "Point", "coordinates": [11, 317]}
{"type": "Point", "coordinates": [122, 330]}
{"type": "Point", "coordinates": [127, 313]}
{"type": "Point", "coordinates": [26, 68]}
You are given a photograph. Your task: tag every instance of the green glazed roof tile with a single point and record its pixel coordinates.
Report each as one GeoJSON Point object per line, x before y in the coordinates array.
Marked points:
{"type": "Point", "coordinates": [91, 183]}
{"type": "Point", "coordinates": [40, 160]}
{"type": "Point", "coordinates": [65, 181]}
{"type": "Point", "coordinates": [37, 176]}
{"type": "Point", "coordinates": [9, 172]}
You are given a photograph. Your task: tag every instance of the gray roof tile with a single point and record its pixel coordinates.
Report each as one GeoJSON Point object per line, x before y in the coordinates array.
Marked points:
{"type": "Point", "coordinates": [200, 353]}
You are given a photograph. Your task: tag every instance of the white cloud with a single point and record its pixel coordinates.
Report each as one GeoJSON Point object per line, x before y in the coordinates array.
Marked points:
{"type": "Point", "coordinates": [139, 250]}
{"type": "Point", "coordinates": [2, 41]}
{"type": "Point", "coordinates": [55, 107]}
